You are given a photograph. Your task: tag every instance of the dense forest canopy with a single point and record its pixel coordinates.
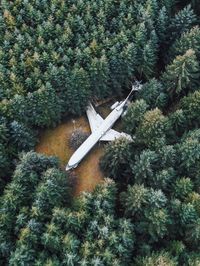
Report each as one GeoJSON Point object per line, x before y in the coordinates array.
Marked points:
{"type": "Point", "coordinates": [57, 55]}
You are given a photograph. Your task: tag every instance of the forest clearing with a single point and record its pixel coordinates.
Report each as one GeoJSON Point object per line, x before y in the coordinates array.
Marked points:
{"type": "Point", "coordinates": [55, 142]}
{"type": "Point", "coordinates": [130, 202]}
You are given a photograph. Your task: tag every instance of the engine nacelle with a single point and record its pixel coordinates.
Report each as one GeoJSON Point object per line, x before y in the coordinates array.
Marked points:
{"type": "Point", "coordinates": [124, 113]}
{"type": "Point", "coordinates": [114, 105]}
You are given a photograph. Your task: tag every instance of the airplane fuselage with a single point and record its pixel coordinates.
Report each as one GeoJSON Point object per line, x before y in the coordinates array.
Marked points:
{"type": "Point", "coordinates": [100, 129]}
{"type": "Point", "coordinates": [89, 143]}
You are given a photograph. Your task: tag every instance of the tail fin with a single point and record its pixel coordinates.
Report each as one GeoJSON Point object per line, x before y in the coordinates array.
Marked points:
{"type": "Point", "coordinates": [135, 87]}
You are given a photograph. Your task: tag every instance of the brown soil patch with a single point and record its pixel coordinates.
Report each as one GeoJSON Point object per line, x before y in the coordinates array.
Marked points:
{"type": "Point", "coordinates": [56, 142]}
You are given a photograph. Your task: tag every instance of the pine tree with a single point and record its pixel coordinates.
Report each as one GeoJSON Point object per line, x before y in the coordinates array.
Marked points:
{"type": "Point", "coordinates": [190, 106]}
{"type": "Point", "coordinates": [134, 115]}
{"type": "Point", "coordinates": [146, 51]}
{"type": "Point", "coordinates": [76, 102]}
{"type": "Point", "coordinates": [22, 137]}
{"type": "Point", "coordinates": [162, 258]}
{"type": "Point", "coordinates": [153, 128]}
{"type": "Point", "coordinates": [181, 74]}
{"type": "Point", "coordinates": [162, 24]}
{"type": "Point", "coordinates": [134, 199]}
{"type": "Point", "coordinates": [182, 188]}
{"type": "Point", "coordinates": [116, 158]}
{"type": "Point", "coordinates": [99, 76]}
{"type": "Point", "coordinates": [149, 59]}
{"type": "Point", "coordinates": [183, 21]}
{"type": "Point", "coordinates": [153, 93]}
{"type": "Point", "coordinates": [188, 40]}
{"type": "Point", "coordinates": [188, 152]}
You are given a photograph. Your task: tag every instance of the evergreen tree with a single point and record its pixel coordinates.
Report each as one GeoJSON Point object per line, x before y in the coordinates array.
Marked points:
{"type": "Point", "coordinates": [19, 194]}
{"type": "Point", "coordinates": [116, 158]}
{"type": "Point", "coordinates": [158, 259]}
{"type": "Point", "coordinates": [182, 188]}
{"type": "Point", "coordinates": [190, 106]}
{"type": "Point", "coordinates": [188, 151]}
{"type": "Point", "coordinates": [134, 115]}
{"type": "Point", "coordinates": [162, 24]}
{"type": "Point", "coordinates": [153, 93]}
{"type": "Point", "coordinates": [4, 156]}
{"type": "Point", "coordinates": [181, 74]}
{"type": "Point", "coordinates": [183, 21]}
{"type": "Point", "coordinates": [188, 40]}
{"type": "Point", "coordinates": [99, 76]}
{"type": "Point", "coordinates": [153, 128]}
{"type": "Point", "coordinates": [23, 138]}
{"type": "Point", "coordinates": [76, 102]}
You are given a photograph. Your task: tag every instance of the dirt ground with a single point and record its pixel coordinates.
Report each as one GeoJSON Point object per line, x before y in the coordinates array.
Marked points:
{"type": "Point", "coordinates": [56, 142]}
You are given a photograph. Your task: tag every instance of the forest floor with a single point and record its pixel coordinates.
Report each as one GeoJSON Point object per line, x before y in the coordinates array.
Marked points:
{"type": "Point", "coordinates": [56, 142]}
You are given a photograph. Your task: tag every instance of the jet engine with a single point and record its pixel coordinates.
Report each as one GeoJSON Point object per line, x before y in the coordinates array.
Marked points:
{"type": "Point", "coordinates": [114, 105]}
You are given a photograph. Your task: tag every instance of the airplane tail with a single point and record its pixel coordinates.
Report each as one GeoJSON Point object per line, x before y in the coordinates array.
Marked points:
{"type": "Point", "coordinates": [135, 87]}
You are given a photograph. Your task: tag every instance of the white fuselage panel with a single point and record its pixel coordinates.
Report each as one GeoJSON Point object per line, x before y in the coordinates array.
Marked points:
{"type": "Point", "coordinates": [87, 145]}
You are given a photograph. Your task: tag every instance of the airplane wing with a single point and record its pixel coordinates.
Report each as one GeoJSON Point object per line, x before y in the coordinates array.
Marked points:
{"type": "Point", "coordinates": [95, 120]}
{"type": "Point", "coordinates": [113, 135]}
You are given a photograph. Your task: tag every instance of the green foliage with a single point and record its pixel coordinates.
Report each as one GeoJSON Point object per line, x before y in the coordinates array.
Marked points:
{"type": "Point", "coordinates": [19, 195]}
{"type": "Point", "coordinates": [134, 115]}
{"type": "Point", "coordinates": [176, 248]}
{"type": "Point", "coordinates": [162, 24]}
{"type": "Point", "coordinates": [188, 40]}
{"type": "Point", "coordinates": [89, 233]}
{"type": "Point", "coordinates": [145, 165]}
{"type": "Point", "coordinates": [158, 259]}
{"type": "Point", "coordinates": [194, 199]}
{"type": "Point", "coordinates": [152, 128]}
{"type": "Point", "coordinates": [99, 73]}
{"type": "Point", "coordinates": [193, 233]}
{"type": "Point", "coordinates": [51, 192]}
{"type": "Point", "coordinates": [23, 138]}
{"type": "Point", "coordinates": [194, 260]}
{"type": "Point", "coordinates": [182, 188]}
{"type": "Point", "coordinates": [187, 214]}
{"type": "Point", "coordinates": [146, 207]}
{"type": "Point", "coordinates": [162, 179]}
{"type": "Point", "coordinates": [182, 22]}
{"type": "Point", "coordinates": [177, 123]}
{"type": "Point", "coordinates": [4, 156]}
{"type": "Point", "coordinates": [77, 53]}
{"type": "Point", "coordinates": [75, 102]}
{"type": "Point", "coordinates": [153, 93]}
{"type": "Point", "coordinates": [188, 151]}
{"type": "Point", "coordinates": [57, 55]}
{"type": "Point", "coordinates": [195, 5]}
{"type": "Point", "coordinates": [54, 58]}
{"type": "Point", "coordinates": [134, 199]}
{"type": "Point", "coordinates": [30, 109]}
{"type": "Point", "coordinates": [181, 74]}
{"type": "Point", "coordinates": [148, 57]}
{"type": "Point", "coordinates": [116, 158]}
{"type": "Point", "coordinates": [191, 108]}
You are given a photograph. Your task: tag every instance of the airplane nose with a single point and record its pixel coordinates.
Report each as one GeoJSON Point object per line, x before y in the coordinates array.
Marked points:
{"type": "Point", "coordinates": [68, 168]}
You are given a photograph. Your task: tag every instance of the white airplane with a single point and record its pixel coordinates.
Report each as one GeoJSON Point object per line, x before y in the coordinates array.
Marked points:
{"type": "Point", "coordinates": [101, 129]}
